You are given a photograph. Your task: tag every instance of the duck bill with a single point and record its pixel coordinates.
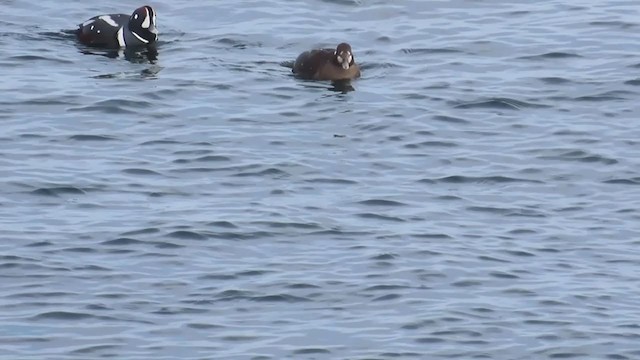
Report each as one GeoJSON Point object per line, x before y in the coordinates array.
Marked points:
{"type": "Point", "coordinates": [345, 64]}
{"type": "Point", "coordinates": [153, 29]}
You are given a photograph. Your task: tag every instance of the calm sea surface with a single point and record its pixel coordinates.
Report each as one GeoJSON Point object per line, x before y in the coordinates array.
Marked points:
{"type": "Point", "coordinates": [475, 195]}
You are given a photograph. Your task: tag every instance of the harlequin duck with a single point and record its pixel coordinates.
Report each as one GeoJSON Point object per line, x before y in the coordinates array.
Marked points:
{"type": "Point", "coordinates": [120, 30]}
{"type": "Point", "coordinates": [327, 64]}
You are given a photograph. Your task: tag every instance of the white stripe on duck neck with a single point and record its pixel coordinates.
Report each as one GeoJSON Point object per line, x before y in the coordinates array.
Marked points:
{"type": "Point", "coordinates": [140, 38]}
{"type": "Point", "coordinates": [121, 41]}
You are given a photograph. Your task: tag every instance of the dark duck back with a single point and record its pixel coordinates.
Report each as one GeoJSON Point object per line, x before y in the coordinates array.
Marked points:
{"type": "Point", "coordinates": [120, 30]}
{"type": "Point", "coordinates": [327, 64]}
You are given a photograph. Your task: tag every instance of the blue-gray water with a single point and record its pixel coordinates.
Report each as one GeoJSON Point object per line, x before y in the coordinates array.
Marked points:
{"type": "Point", "coordinates": [474, 196]}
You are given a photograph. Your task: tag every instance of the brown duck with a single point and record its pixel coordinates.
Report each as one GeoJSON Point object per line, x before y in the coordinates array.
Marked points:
{"type": "Point", "coordinates": [327, 64]}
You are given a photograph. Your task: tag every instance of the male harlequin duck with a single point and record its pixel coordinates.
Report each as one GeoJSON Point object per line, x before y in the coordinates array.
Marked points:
{"type": "Point", "coordinates": [120, 30]}
{"type": "Point", "coordinates": [327, 64]}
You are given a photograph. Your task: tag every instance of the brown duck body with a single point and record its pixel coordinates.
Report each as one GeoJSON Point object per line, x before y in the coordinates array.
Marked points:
{"type": "Point", "coordinates": [323, 64]}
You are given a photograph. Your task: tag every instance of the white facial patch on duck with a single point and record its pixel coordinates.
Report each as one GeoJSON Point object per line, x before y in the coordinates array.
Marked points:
{"type": "Point", "coordinates": [341, 60]}
{"type": "Point", "coordinates": [147, 20]}
{"type": "Point", "coordinates": [109, 20]}
{"type": "Point", "coordinates": [87, 23]}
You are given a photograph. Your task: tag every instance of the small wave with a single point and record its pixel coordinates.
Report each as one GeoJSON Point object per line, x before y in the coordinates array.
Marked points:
{"type": "Point", "coordinates": [25, 58]}
{"type": "Point", "coordinates": [579, 155]}
{"type": "Point", "coordinates": [607, 96]}
{"type": "Point", "coordinates": [239, 44]}
{"type": "Point", "coordinates": [234, 295]}
{"type": "Point", "coordinates": [616, 24]}
{"type": "Point", "coordinates": [122, 242]}
{"type": "Point", "coordinates": [380, 217]}
{"type": "Point", "coordinates": [50, 100]}
{"type": "Point", "coordinates": [381, 202]}
{"type": "Point", "coordinates": [634, 82]}
{"type": "Point", "coordinates": [384, 257]}
{"type": "Point", "coordinates": [166, 245]}
{"type": "Point", "coordinates": [459, 179]}
{"type": "Point", "coordinates": [242, 236]}
{"type": "Point", "coordinates": [431, 236]}
{"type": "Point", "coordinates": [311, 351]}
{"type": "Point", "coordinates": [279, 298]}
{"type": "Point", "coordinates": [94, 349]}
{"type": "Point", "coordinates": [35, 295]}
{"type": "Point", "coordinates": [431, 51]}
{"type": "Point", "coordinates": [223, 224]}
{"type": "Point", "coordinates": [466, 283]}
{"type": "Point", "coordinates": [344, 2]}
{"type": "Point", "coordinates": [387, 297]}
{"type": "Point", "coordinates": [429, 340]}
{"type": "Point", "coordinates": [507, 211]}
{"type": "Point", "coordinates": [141, 232]}
{"type": "Point", "coordinates": [294, 225]}
{"type": "Point", "coordinates": [427, 144]}
{"type": "Point", "coordinates": [115, 106]}
{"type": "Point", "coordinates": [554, 80]}
{"type": "Point", "coordinates": [253, 273]}
{"type": "Point", "coordinates": [451, 119]}
{"type": "Point", "coordinates": [492, 259]}
{"type": "Point", "coordinates": [629, 181]}
{"type": "Point", "coordinates": [386, 287]}
{"type": "Point", "coordinates": [200, 326]}
{"type": "Point", "coordinates": [222, 277]}
{"type": "Point", "coordinates": [146, 172]}
{"type": "Point", "coordinates": [368, 65]}
{"type": "Point", "coordinates": [40, 243]}
{"type": "Point", "coordinates": [160, 142]}
{"type": "Point", "coordinates": [83, 250]}
{"type": "Point", "coordinates": [498, 103]}
{"type": "Point", "coordinates": [59, 190]}
{"type": "Point", "coordinates": [288, 64]}
{"type": "Point", "coordinates": [208, 158]}
{"type": "Point", "coordinates": [302, 286]}
{"type": "Point", "coordinates": [187, 235]}
{"type": "Point", "coordinates": [81, 137]}
{"type": "Point", "coordinates": [331, 181]}
{"type": "Point", "coordinates": [519, 253]}
{"type": "Point", "coordinates": [63, 315]}
{"type": "Point", "coordinates": [503, 275]}
{"type": "Point", "coordinates": [552, 55]}
{"type": "Point", "coordinates": [266, 172]}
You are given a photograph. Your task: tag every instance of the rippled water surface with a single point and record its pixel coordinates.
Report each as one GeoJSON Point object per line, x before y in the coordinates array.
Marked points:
{"type": "Point", "coordinates": [475, 195]}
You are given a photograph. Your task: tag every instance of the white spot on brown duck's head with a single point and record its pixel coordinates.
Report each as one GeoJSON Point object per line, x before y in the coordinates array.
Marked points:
{"type": "Point", "coordinates": [344, 55]}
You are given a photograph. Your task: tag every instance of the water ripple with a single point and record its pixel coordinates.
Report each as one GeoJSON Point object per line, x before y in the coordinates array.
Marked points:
{"type": "Point", "coordinates": [473, 195]}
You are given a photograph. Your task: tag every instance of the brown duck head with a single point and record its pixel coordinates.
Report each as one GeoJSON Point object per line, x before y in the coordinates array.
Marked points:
{"type": "Point", "coordinates": [343, 56]}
